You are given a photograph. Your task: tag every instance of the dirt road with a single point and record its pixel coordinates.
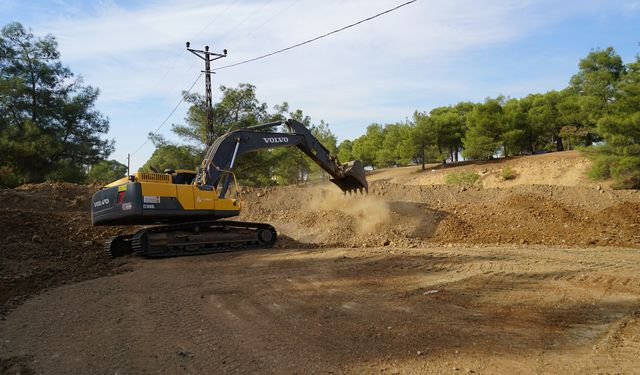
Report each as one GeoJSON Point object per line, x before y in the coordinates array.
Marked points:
{"type": "Point", "coordinates": [383, 310]}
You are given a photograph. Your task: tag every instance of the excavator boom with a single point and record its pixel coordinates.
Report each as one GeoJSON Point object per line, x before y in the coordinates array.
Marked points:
{"type": "Point", "coordinates": [222, 155]}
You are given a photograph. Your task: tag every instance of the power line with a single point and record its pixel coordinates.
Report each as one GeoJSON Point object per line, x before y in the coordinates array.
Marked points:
{"type": "Point", "coordinates": [274, 16]}
{"type": "Point", "coordinates": [318, 37]}
{"type": "Point", "coordinates": [221, 38]}
{"type": "Point", "coordinates": [269, 54]}
{"type": "Point", "coordinates": [253, 30]}
{"type": "Point", "coordinates": [216, 17]}
{"type": "Point", "coordinates": [175, 58]}
{"type": "Point", "coordinates": [172, 65]}
{"type": "Point", "coordinates": [170, 114]}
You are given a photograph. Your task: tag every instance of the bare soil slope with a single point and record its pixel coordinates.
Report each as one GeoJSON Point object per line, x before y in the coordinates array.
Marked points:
{"type": "Point", "coordinates": [48, 240]}
{"type": "Point", "coordinates": [568, 168]}
{"type": "Point", "coordinates": [410, 215]}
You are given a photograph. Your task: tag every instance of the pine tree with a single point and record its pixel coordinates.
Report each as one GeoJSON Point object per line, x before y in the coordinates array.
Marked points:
{"type": "Point", "coordinates": [49, 128]}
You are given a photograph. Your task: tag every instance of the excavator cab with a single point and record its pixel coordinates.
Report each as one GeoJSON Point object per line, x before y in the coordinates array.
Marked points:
{"type": "Point", "coordinates": [181, 176]}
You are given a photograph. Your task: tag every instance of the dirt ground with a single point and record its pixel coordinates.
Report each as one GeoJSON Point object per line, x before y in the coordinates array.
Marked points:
{"type": "Point", "coordinates": [536, 275]}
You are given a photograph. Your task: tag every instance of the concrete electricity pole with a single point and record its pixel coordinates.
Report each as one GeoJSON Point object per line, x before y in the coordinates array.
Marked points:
{"type": "Point", "coordinates": [208, 57]}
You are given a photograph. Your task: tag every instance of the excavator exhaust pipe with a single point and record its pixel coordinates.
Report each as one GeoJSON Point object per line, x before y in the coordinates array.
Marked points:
{"type": "Point", "coordinates": [353, 178]}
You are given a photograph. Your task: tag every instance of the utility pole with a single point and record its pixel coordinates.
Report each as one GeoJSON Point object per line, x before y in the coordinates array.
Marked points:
{"type": "Point", "coordinates": [208, 57]}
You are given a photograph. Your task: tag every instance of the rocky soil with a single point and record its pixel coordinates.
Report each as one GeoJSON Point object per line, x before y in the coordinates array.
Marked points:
{"type": "Point", "coordinates": [48, 240]}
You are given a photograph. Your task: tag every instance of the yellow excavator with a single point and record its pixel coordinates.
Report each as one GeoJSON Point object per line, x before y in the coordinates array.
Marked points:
{"type": "Point", "coordinates": [185, 207]}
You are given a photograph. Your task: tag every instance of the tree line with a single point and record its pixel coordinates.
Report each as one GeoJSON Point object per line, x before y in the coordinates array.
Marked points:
{"type": "Point", "coordinates": [598, 112]}
{"type": "Point", "coordinates": [50, 129]}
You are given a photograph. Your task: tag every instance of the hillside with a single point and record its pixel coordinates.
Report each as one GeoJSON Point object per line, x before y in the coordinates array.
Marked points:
{"type": "Point", "coordinates": [551, 202]}
{"type": "Point", "coordinates": [568, 168]}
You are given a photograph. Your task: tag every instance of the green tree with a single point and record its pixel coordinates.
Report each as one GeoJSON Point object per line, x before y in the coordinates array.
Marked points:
{"type": "Point", "coordinates": [592, 90]}
{"type": "Point", "coordinates": [599, 71]}
{"type": "Point", "coordinates": [237, 108]}
{"type": "Point", "coordinates": [547, 116]}
{"type": "Point", "coordinates": [406, 148]}
{"type": "Point", "coordinates": [485, 124]}
{"type": "Point", "coordinates": [422, 136]}
{"type": "Point", "coordinates": [397, 147]}
{"type": "Point", "coordinates": [627, 93]}
{"type": "Point", "coordinates": [290, 165]}
{"type": "Point", "coordinates": [618, 157]}
{"type": "Point", "coordinates": [365, 147]}
{"type": "Point", "coordinates": [173, 156]}
{"type": "Point", "coordinates": [430, 134]}
{"type": "Point", "coordinates": [168, 155]}
{"type": "Point", "coordinates": [106, 171]}
{"type": "Point", "coordinates": [49, 128]}
{"type": "Point", "coordinates": [518, 132]}
{"type": "Point", "coordinates": [447, 127]}
{"type": "Point", "coordinates": [345, 151]}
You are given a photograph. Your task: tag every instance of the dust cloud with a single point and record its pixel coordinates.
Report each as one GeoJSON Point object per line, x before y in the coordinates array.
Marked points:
{"type": "Point", "coordinates": [367, 210]}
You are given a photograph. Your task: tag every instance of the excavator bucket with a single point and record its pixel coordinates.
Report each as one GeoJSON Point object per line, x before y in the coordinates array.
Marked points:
{"type": "Point", "coordinates": [352, 178]}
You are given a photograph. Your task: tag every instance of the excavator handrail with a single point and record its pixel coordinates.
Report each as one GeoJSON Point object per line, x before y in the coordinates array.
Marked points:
{"type": "Point", "coordinates": [235, 181]}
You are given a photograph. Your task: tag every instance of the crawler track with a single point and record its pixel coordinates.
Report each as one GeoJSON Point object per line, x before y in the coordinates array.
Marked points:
{"type": "Point", "coordinates": [193, 239]}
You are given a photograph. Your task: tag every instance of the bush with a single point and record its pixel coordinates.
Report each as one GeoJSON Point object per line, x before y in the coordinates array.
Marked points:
{"type": "Point", "coordinates": [624, 170]}
{"type": "Point", "coordinates": [8, 177]}
{"type": "Point", "coordinates": [461, 178]}
{"type": "Point", "coordinates": [508, 174]}
{"type": "Point", "coordinates": [618, 157]}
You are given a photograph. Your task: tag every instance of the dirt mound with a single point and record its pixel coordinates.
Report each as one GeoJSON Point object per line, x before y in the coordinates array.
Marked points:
{"type": "Point", "coordinates": [48, 240]}
{"type": "Point", "coordinates": [322, 216]}
{"type": "Point", "coordinates": [550, 201]}
{"type": "Point", "coordinates": [405, 215]}
{"type": "Point", "coordinates": [537, 219]}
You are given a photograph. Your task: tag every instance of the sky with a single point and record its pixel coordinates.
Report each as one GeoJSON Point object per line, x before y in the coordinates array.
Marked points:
{"type": "Point", "coordinates": [428, 54]}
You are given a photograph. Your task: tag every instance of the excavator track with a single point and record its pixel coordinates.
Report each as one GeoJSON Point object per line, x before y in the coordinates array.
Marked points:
{"type": "Point", "coordinates": [118, 246]}
{"type": "Point", "coordinates": [204, 237]}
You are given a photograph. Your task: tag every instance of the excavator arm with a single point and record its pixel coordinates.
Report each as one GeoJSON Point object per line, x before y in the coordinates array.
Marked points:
{"type": "Point", "coordinates": [222, 155]}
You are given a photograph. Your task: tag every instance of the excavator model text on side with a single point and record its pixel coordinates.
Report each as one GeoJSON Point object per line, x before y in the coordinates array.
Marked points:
{"type": "Point", "coordinates": [187, 207]}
